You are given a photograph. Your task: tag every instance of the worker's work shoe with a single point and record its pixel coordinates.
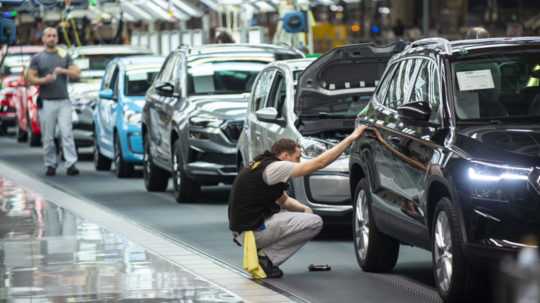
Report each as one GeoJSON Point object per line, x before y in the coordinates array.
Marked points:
{"type": "Point", "coordinates": [270, 269]}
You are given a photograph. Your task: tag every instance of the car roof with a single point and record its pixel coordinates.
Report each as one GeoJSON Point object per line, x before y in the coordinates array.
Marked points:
{"type": "Point", "coordinates": [108, 49]}
{"type": "Point", "coordinates": [24, 49]}
{"type": "Point", "coordinates": [137, 61]}
{"type": "Point", "coordinates": [468, 46]}
{"type": "Point", "coordinates": [239, 47]}
{"type": "Point", "coordinates": [294, 64]}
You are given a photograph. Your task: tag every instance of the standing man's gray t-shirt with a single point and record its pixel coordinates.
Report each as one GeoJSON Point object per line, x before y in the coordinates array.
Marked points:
{"type": "Point", "coordinates": [45, 63]}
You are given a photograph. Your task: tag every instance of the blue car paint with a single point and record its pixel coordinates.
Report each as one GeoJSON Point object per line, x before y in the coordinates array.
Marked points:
{"type": "Point", "coordinates": [129, 134]}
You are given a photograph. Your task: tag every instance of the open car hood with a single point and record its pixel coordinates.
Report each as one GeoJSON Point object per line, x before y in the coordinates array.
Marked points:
{"type": "Point", "coordinates": [344, 72]}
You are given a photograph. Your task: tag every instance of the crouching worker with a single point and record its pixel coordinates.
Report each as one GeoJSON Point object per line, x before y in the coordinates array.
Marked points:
{"type": "Point", "coordinates": [271, 225]}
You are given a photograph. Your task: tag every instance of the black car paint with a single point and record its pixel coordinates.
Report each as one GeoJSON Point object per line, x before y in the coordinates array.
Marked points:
{"type": "Point", "coordinates": [431, 162]}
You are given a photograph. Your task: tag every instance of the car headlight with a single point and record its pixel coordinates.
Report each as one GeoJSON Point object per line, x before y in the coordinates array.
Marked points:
{"type": "Point", "coordinates": [205, 121]}
{"type": "Point", "coordinates": [132, 117]}
{"type": "Point", "coordinates": [495, 182]}
{"type": "Point", "coordinates": [312, 148]}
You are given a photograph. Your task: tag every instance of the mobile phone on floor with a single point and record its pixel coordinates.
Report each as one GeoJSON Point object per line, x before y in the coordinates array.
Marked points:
{"type": "Point", "coordinates": [319, 267]}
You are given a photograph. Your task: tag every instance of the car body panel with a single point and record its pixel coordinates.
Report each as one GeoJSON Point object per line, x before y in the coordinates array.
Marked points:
{"type": "Point", "coordinates": [111, 116]}
{"type": "Point", "coordinates": [488, 169]}
{"type": "Point", "coordinates": [208, 125]}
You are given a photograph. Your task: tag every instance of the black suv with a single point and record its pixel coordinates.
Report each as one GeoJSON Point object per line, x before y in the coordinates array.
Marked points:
{"type": "Point", "coordinates": [194, 114]}
{"type": "Point", "coordinates": [451, 159]}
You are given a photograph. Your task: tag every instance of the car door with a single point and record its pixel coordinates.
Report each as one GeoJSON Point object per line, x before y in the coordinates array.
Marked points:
{"type": "Point", "coordinates": [258, 101]}
{"type": "Point", "coordinates": [106, 113]}
{"type": "Point", "coordinates": [415, 145]}
{"type": "Point", "coordinates": [156, 115]}
{"type": "Point", "coordinates": [387, 185]}
{"type": "Point", "coordinates": [271, 132]}
{"type": "Point", "coordinates": [171, 106]}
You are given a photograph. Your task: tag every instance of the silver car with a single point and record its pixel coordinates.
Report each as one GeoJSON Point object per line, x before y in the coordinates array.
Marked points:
{"type": "Point", "coordinates": [332, 90]}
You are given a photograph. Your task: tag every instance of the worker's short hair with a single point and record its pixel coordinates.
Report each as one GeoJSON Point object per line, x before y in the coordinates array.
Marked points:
{"type": "Point", "coordinates": [284, 145]}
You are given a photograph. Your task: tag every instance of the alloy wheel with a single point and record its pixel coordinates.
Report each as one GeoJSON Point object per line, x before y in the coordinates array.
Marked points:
{"type": "Point", "coordinates": [362, 224]}
{"type": "Point", "coordinates": [443, 251]}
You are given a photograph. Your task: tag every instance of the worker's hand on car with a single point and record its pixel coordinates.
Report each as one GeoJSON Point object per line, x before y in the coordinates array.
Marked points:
{"type": "Point", "coordinates": [357, 133]}
{"type": "Point", "coordinates": [49, 78]}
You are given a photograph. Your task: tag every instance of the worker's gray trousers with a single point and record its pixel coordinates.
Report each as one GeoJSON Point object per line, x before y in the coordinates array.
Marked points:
{"type": "Point", "coordinates": [285, 233]}
{"type": "Point", "coordinates": [57, 113]}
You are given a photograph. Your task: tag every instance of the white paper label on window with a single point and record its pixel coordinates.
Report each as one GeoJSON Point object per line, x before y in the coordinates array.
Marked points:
{"type": "Point", "coordinates": [201, 70]}
{"type": "Point", "coordinates": [82, 63]}
{"type": "Point", "coordinates": [475, 80]}
{"type": "Point", "coordinates": [138, 76]}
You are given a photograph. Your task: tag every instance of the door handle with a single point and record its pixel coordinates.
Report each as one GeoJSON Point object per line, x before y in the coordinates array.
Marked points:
{"type": "Point", "coordinates": [394, 140]}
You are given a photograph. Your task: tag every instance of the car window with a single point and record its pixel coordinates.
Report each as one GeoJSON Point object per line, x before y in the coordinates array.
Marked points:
{"type": "Point", "coordinates": [137, 81]}
{"type": "Point", "coordinates": [278, 93]}
{"type": "Point", "coordinates": [262, 89]}
{"type": "Point", "coordinates": [399, 86]}
{"type": "Point", "coordinates": [108, 76]}
{"type": "Point", "coordinates": [114, 81]}
{"type": "Point", "coordinates": [383, 87]}
{"type": "Point", "coordinates": [426, 88]}
{"type": "Point", "coordinates": [395, 88]}
{"type": "Point", "coordinates": [166, 70]}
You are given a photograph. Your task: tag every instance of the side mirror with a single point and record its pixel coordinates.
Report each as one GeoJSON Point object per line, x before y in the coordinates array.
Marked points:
{"type": "Point", "coordinates": [267, 114]}
{"type": "Point", "coordinates": [106, 94]}
{"type": "Point", "coordinates": [165, 89]}
{"type": "Point", "coordinates": [415, 112]}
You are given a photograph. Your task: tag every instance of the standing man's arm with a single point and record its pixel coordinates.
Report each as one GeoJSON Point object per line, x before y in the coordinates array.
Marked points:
{"type": "Point", "coordinates": [35, 80]}
{"type": "Point", "coordinates": [329, 156]}
{"type": "Point", "coordinates": [73, 71]}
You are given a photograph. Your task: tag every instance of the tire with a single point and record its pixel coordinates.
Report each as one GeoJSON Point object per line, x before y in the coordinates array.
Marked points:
{"type": "Point", "coordinates": [22, 135]}
{"type": "Point", "coordinates": [463, 280]}
{"type": "Point", "coordinates": [185, 188]}
{"type": "Point", "coordinates": [101, 163]}
{"type": "Point", "coordinates": [375, 251]}
{"type": "Point", "coordinates": [155, 178]}
{"type": "Point", "coordinates": [122, 169]}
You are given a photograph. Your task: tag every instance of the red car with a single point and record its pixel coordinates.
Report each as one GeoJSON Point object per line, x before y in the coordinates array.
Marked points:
{"type": "Point", "coordinates": [19, 95]}
{"type": "Point", "coordinates": [8, 113]}
{"type": "Point", "coordinates": [28, 127]}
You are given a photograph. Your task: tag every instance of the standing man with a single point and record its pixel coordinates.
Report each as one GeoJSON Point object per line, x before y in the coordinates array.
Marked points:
{"type": "Point", "coordinates": [259, 202]}
{"type": "Point", "coordinates": [50, 70]}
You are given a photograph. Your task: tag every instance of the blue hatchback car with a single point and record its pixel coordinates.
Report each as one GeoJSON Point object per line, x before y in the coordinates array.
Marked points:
{"type": "Point", "coordinates": [117, 115]}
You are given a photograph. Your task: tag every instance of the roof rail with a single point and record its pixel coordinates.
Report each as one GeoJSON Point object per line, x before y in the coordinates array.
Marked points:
{"type": "Point", "coordinates": [441, 43]}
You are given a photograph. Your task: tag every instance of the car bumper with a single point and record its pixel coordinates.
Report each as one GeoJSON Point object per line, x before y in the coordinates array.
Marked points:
{"type": "Point", "coordinates": [133, 150]}
{"type": "Point", "coordinates": [83, 137]}
{"type": "Point", "coordinates": [327, 190]}
{"type": "Point", "coordinates": [8, 118]}
{"type": "Point", "coordinates": [497, 229]}
{"type": "Point", "coordinates": [210, 162]}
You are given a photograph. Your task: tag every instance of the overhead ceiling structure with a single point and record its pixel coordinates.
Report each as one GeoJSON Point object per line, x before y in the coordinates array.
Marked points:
{"type": "Point", "coordinates": [163, 10]}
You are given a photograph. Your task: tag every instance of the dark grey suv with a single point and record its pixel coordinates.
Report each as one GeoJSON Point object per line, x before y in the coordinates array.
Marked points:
{"type": "Point", "coordinates": [194, 114]}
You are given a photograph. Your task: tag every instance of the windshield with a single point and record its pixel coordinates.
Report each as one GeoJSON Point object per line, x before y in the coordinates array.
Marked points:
{"type": "Point", "coordinates": [137, 82]}
{"type": "Point", "coordinates": [229, 77]}
{"type": "Point", "coordinates": [498, 87]}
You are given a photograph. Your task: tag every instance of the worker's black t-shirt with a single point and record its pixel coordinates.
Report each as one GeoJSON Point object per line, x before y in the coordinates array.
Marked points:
{"type": "Point", "coordinates": [252, 200]}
